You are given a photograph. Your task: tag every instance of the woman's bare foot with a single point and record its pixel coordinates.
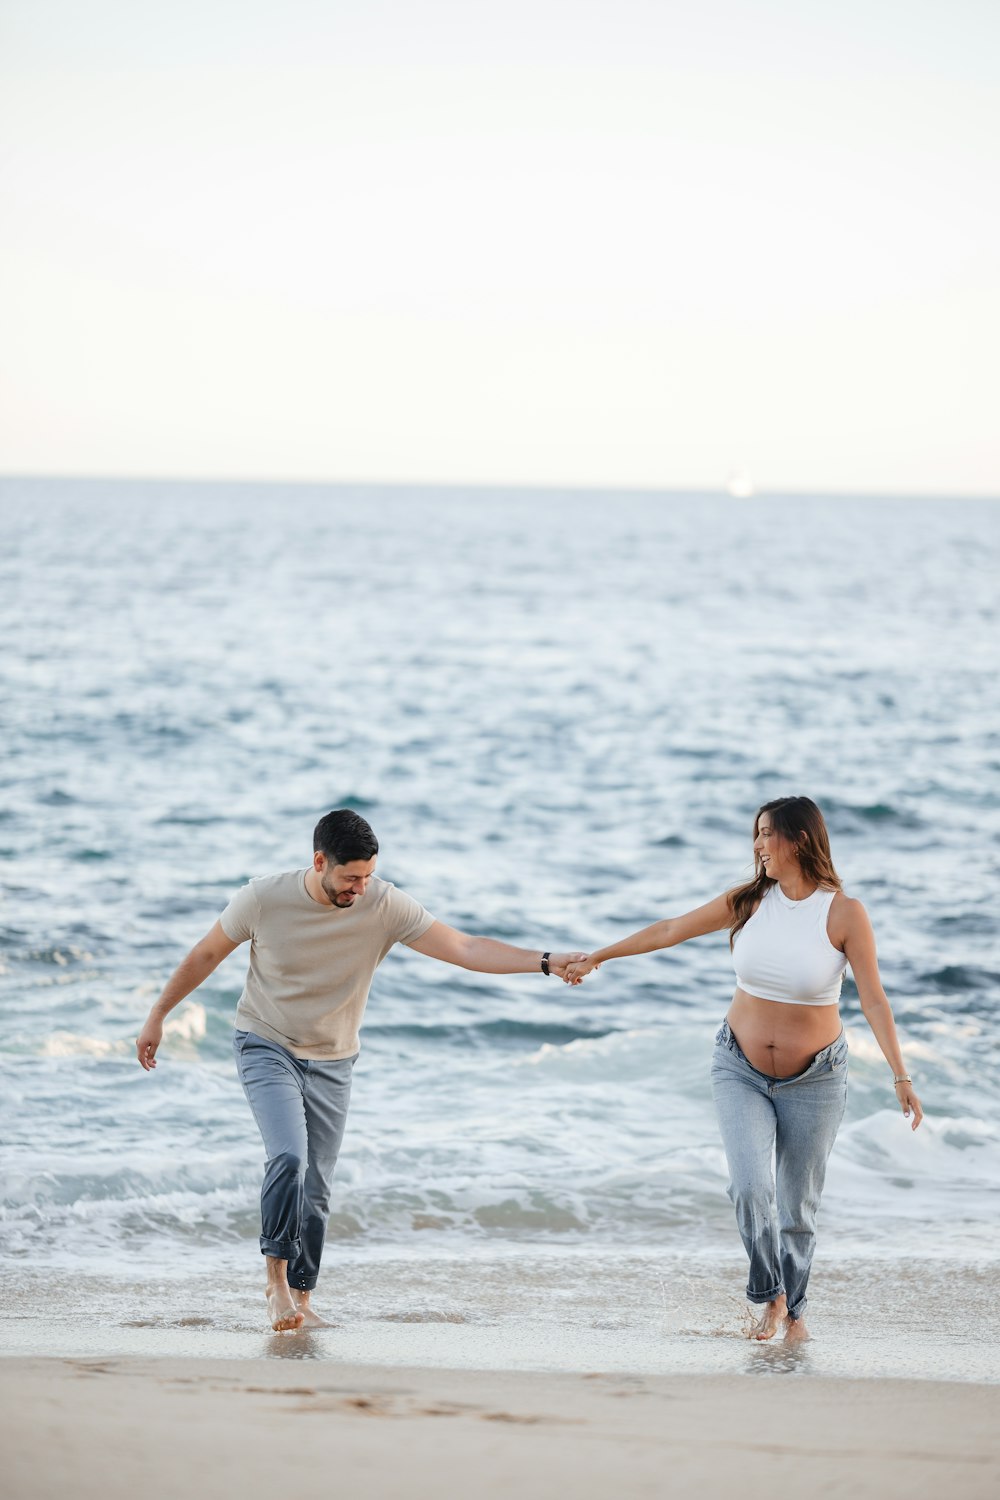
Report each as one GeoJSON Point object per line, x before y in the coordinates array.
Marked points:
{"type": "Point", "coordinates": [796, 1331]}
{"type": "Point", "coordinates": [311, 1318]}
{"type": "Point", "coordinates": [766, 1326]}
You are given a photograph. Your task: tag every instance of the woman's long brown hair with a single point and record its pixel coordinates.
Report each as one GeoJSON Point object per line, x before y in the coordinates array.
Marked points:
{"type": "Point", "coordinates": [799, 820]}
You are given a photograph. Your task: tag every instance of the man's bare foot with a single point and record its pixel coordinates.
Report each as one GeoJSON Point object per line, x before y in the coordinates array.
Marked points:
{"type": "Point", "coordinates": [796, 1331]}
{"type": "Point", "coordinates": [766, 1326]}
{"type": "Point", "coordinates": [284, 1314]}
{"type": "Point", "coordinates": [281, 1309]}
{"type": "Point", "coordinates": [311, 1318]}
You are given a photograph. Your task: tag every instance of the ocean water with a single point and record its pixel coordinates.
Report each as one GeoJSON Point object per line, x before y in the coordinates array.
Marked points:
{"type": "Point", "coordinates": [559, 711]}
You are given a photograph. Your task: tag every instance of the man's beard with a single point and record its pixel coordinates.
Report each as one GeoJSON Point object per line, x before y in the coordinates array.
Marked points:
{"type": "Point", "coordinates": [338, 898]}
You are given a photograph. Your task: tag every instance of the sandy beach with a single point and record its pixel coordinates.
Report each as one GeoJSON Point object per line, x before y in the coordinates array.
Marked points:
{"type": "Point", "coordinates": [214, 1428]}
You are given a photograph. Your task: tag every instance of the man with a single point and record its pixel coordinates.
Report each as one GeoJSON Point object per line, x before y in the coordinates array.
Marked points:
{"type": "Point", "coordinates": [316, 939]}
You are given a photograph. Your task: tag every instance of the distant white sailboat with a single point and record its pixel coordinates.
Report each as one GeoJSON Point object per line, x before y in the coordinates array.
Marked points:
{"type": "Point", "coordinates": [740, 486]}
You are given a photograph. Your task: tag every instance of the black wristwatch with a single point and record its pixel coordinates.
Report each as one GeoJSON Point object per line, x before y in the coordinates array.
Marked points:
{"type": "Point", "coordinates": [545, 962]}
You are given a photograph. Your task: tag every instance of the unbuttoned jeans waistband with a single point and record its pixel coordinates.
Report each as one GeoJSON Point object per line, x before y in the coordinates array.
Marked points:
{"type": "Point", "coordinates": [832, 1056]}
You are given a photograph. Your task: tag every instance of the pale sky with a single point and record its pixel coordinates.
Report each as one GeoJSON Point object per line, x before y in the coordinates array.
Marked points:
{"type": "Point", "coordinates": [597, 242]}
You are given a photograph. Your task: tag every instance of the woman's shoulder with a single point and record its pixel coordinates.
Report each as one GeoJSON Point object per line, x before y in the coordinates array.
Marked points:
{"type": "Point", "coordinates": [842, 901]}
{"type": "Point", "coordinates": [847, 917]}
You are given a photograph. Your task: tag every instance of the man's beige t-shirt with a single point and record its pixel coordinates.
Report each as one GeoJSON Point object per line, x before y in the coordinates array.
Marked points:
{"type": "Point", "coordinates": [311, 966]}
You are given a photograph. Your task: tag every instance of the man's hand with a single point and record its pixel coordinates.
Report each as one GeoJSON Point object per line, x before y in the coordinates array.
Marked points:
{"type": "Point", "coordinates": [204, 957]}
{"type": "Point", "coordinates": [147, 1042]}
{"type": "Point", "coordinates": [579, 966]}
{"type": "Point", "coordinates": [561, 964]}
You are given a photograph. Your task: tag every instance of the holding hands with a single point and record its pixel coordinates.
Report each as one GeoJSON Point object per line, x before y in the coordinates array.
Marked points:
{"type": "Point", "coordinates": [579, 967]}
{"type": "Point", "coordinates": [565, 965]}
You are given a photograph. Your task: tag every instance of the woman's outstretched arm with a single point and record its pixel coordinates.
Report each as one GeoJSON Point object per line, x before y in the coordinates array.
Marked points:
{"type": "Point", "coordinates": [667, 933]}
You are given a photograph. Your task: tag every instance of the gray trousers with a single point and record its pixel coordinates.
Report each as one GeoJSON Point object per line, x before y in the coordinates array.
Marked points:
{"type": "Point", "coordinates": [301, 1109]}
{"type": "Point", "coordinates": [778, 1134]}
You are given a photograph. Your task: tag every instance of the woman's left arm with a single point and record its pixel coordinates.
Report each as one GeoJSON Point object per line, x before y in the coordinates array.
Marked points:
{"type": "Point", "coordinates": [859, 946]}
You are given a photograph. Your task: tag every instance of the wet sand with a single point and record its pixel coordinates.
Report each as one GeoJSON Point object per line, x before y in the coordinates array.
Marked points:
{"type": "Point", "coordinates": [121, 1427]}
{"type": "Point", "coordinates": [556, 1312]}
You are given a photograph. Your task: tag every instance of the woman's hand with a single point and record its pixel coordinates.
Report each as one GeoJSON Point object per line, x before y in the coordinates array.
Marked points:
{"type": "Point", "coordinates": [909, 1103]}
{"type": "Point", "coordinates": [582, 965]}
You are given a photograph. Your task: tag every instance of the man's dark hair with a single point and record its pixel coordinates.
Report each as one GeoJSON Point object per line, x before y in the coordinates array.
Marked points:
{"type": "Point", "coordinates": [344, 836]}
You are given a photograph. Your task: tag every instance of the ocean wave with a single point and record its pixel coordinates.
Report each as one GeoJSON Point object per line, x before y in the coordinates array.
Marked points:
{"type": "Point", "coordinates": [63, 955]}
{"type": "Point", "coordinates": [181, 819]}
{"type": "Point", "coordinates": [671, 1184]}
{"type": "Point", "coordinates": [952, 1151]}
{"type": "Point", "coordinates": [187, 1026]}
{"type": "Point", "coordinates": [92, 1226]}
{"type": "Point", "coordinates": [83, 1212]}
{"type": "Point", "coordinates": [674, 1057]}
{"type": "Point", "coordinates": [848, 817]}
{"type": "Point", "coordinates": [955, 979]}
{"type": "Point", "coordinates": [70, 1044]}
{"type": "Point", "coordinates": [967, 924]}
{"type": "Point", "coordinates": [487, 1033]}
{"type": "Point", "coordinates": [57, 797]}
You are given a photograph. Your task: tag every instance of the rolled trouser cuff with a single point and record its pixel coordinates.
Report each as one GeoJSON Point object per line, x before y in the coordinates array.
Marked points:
{"type": "Point", "coordinates": [300, 1282]}
{"type": "Point", "coordinates": [280, 1249]}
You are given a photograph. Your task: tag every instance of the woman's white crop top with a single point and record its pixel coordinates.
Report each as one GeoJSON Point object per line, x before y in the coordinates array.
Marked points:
{"type": "Point", "coordinates": [783, 951]}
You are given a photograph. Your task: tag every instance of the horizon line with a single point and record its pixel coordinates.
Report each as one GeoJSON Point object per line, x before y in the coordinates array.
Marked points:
{"type": "Point", "coordinates": [554, 487]}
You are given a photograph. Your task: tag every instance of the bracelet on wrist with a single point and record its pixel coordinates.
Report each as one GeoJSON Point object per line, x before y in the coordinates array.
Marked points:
{"type": "Point", "coordinates": [545, 963]}
{"type": "Point", "coordinates": [903, 1078]}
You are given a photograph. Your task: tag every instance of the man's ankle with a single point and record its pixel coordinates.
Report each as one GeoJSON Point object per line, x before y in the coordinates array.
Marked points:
{"type": "Point", "coordinates": [277, 1273]}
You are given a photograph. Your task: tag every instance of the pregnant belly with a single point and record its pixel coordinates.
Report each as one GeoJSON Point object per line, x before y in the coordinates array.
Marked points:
{"type": "Point", "coordinates": [779, 1039]}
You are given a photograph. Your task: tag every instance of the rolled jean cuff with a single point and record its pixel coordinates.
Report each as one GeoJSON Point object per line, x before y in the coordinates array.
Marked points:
{"type": "Point", "coordinates": [280, 1249]}
{"type": "Point", "coordinates": [796, 1312]}
{"type": "Point", "coordinates": [779, 1291]}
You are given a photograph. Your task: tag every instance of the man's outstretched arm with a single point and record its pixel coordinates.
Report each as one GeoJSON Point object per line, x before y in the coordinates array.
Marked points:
{"type": "Point", "coordinates": [190, 972]}
{"type": "Point", "coordinates": [485, 955]}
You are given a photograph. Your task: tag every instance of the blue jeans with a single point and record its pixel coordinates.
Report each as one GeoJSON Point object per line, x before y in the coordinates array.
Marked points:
{"type": "Point", "coordinates": [301, 1109]}
{"type": "Point", "coordinates": [778, 1134]}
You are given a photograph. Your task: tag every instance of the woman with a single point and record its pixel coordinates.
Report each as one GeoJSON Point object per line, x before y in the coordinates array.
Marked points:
{"type": "Point", "coordinates": [779, 1071]}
